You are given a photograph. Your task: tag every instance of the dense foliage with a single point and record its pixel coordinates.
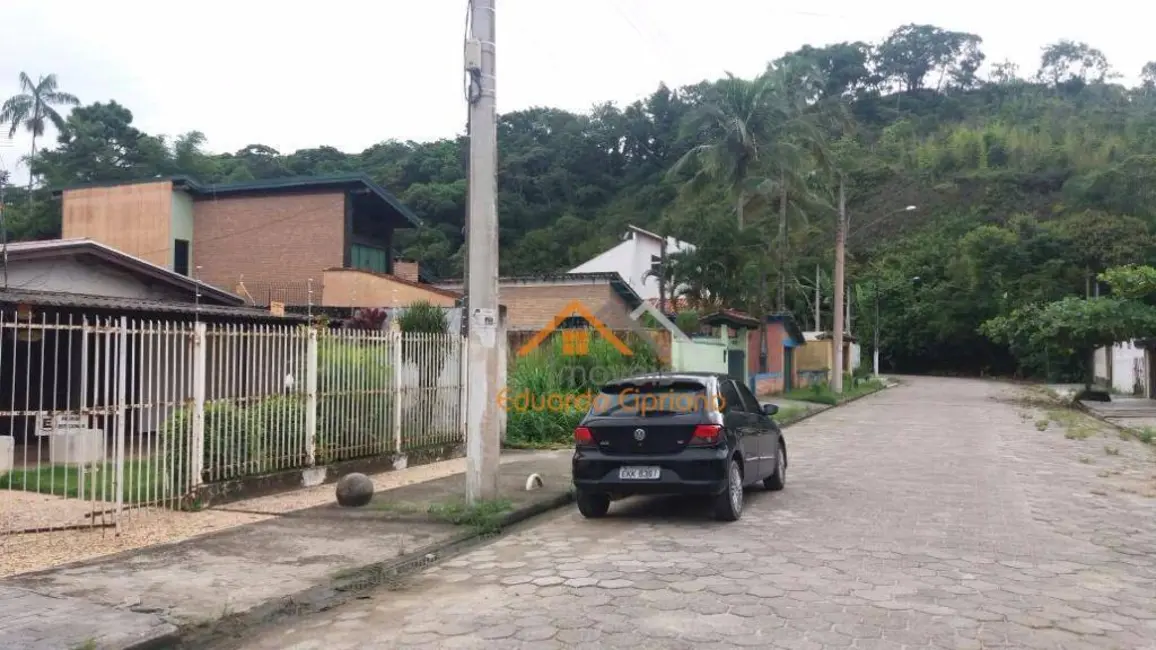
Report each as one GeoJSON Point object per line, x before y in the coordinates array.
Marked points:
{"type": "Point", "coordinates": [1026, 187]}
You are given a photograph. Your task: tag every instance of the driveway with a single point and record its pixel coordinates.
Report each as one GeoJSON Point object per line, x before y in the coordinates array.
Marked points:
{"type": "Point", "coordinates": [930, 515]}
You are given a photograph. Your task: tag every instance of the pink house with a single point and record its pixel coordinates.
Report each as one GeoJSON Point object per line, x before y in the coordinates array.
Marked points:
{"type": "Point", "coordinates": [780, 374]}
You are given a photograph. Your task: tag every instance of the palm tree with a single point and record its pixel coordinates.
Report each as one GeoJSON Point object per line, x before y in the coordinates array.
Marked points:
{"type": "Point", "coordinates": [797, 144]}
{"type": "Point", "coordinates": [33, 108]}
{"type": "Point", "coordinates": [732, 128]}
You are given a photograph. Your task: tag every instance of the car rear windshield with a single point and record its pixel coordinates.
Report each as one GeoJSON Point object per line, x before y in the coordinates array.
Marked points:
{"type": "Point", "coordinates": [650, 400]}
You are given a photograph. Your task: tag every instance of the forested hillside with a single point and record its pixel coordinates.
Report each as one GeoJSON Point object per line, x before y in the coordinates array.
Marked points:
{"type": "Point", "coordinates": [1025, 184]}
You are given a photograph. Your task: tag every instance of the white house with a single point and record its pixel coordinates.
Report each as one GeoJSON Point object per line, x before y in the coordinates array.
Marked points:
{"type": "Point", "coordinates": [1124, 367]}
{"type": "Point", "coordinates": [638, 252]}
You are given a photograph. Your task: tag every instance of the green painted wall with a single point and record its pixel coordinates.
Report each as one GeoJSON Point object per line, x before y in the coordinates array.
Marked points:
{"type": "Point", "coordinates": [182, 223]}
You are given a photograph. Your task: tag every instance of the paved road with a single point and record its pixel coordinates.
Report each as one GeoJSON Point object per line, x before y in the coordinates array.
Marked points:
{"type": "Point", "coordinates": [930, 515]}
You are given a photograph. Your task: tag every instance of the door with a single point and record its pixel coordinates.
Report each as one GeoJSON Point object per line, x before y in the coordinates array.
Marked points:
{"type": "Point", "coordinates": [762, 431]}
{"type": "Point", "coordinates": [737, 365]}
{"type": "Point", "coordinates": [788, 368]}
{"type": "Point", "coordinates": [742, 422]}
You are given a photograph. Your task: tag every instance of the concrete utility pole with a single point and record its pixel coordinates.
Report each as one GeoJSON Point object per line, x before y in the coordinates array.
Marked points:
{"type": "Point", "coordinates": [662, 277]}
{"type": "Point", "coordinates": [482, 435]}
{"type": "Point", "coordinates": [837, 310]}
{"type": "Point", "coordinates": [818, 306]}
{"type": "Point", "coordinates": [875, 353]}
{"type": "Point", "coordinates": [3, 228]}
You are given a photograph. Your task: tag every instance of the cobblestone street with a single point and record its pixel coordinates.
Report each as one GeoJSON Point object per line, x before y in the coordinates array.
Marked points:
{"type": "Point", "coordinates": [930, 515]}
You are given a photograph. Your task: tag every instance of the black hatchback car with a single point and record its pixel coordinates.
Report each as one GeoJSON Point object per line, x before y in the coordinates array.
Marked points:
{"type": "Point", "coordinates": [677, 433]}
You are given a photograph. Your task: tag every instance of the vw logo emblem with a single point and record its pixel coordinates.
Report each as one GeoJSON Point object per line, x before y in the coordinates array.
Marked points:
{"type": "Point", "coordinates": [640, 434]}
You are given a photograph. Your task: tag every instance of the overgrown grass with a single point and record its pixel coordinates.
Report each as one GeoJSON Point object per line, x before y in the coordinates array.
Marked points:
{"type": "Point", "coordinates": [789, 413]}
{"type": "Point", "coordinates": [540, 390]}
{"type": "Point", "coordinates": [1076, 425]}
{"type": "Point", "coordinates": [822, 393]}
{"type": "Point", "coordinates": [485, 516]}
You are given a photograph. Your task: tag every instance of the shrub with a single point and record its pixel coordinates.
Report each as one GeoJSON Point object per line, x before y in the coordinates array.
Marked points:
{"type": "Point", "coordinates": [423, 318]}
{"type": "Point", "coordinates": [240, 438]}
{"type": "Point", "coordinates": [687, 321]}
{"type": "Point", "coordinates": [355, 399]}
{"type": "Point", "coordinates": [547, 371]}
{"type": "Point", "coordinates": [245, 437]}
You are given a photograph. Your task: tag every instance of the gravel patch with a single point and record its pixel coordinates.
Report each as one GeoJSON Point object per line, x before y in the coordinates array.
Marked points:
{"type": "Point", "coordinates": [139, 528]}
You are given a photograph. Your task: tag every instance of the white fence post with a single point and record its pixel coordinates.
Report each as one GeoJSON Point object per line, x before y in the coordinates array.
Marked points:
{"type": "Point", "coordinates": [464, 389]}
{"type": "Point", "coordinates": [311, 398]}
{"type": "Point", "coordinates": [197, 448]}
{"type": "Point", "coordinates": [396, 362]}
{"type": "Point", "coordinates": [121, 413]}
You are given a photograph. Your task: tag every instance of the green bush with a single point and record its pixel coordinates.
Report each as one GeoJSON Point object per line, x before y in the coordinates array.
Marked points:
{"type": "Point", "coordinates": [422, 317]}
{"type": "Point", "coordinates": [355, 399]}
{"type": "Point", "coordinates": [547, 371]}
{"type": "Point", "coordinates": [246, 437]}
{"type": "Point", "coordinates": [241, 438]}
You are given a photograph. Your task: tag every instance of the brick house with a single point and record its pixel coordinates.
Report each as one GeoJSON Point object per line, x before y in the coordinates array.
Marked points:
{"type": "Point", "coordinates": [257, 238]}
{"type": "Point", "coordinates": [532, 302]}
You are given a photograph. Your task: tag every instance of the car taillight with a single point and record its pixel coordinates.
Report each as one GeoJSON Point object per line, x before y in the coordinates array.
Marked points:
{"type": "Point", "coordinates": [706, 434]}
{"type": "Point", "coordinates": [582, 436]}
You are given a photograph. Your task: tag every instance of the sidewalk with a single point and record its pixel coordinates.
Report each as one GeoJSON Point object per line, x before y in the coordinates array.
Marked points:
{"type": "Point", "coordinates": [1125, 411]}
{"type": "Point", "coordinates": [310, 558]}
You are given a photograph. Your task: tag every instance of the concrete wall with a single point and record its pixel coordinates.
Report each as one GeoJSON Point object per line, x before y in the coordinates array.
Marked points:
{"type": "Point", "coordinates": [1127, 370]}
{"type": "Point", "coordinates": [356, 288]}
{"type": "Point", "coordinates": [699, 355]}
{"type": "Point", "coordinates": [532, 306]}
{"type": "Point", "coordinates": [134, 218]}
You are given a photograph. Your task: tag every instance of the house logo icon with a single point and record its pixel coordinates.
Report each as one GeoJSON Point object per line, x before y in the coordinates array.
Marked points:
{"type": "Point", "coordinates": [575, 342]}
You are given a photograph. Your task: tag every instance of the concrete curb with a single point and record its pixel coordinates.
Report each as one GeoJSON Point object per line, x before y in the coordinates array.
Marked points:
{"type": "Point", "coordinates": [348, 586]}
{"type": "Point", "coordinates": [823, 408]}
{"type": "Point", "coordinates": [165, 641]}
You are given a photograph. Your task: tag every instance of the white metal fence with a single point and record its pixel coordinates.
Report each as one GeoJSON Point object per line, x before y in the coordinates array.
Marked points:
{"type": "Point", "coordinates": [98, 415]}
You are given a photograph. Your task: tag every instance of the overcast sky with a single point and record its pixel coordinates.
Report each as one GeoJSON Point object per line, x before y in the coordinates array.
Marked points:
{"type": "Point", "coordinates": [350, 73]}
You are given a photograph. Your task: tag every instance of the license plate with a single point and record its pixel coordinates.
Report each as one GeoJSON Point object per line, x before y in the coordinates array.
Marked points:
{"type": "Point", "coordinates": [639, 473]}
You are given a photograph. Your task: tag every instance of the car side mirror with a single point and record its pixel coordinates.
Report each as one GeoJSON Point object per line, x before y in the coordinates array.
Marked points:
{"type": "Point", "coordinates": [770, 409]}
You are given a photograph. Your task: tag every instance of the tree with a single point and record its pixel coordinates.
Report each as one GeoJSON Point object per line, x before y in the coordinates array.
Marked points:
{"type": "Point", "coordinates": [732, 129]}
{"type": "Point", "coordinates": [912, 52]}
{"type": "Point", "coordinates": [1148, 77]}
{"type": "Point", "coordinates": [1068, 61]}
{"type": "Point", "coordinates": [99, 144]}
{"type": "Point", "coordinates": [1074, 326]}
{"type": "Point", "coordinates": [32, 109]}
{"type": "Point", "coordinates": [841, 70]}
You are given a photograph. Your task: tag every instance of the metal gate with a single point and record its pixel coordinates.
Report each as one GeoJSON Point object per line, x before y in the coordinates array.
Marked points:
{"type": "Point", "coordinates": [81, 412]}
{"type": "Point", "coordinates": [101, 416]}
{"type": "Point", "coordinates": [737, 365]}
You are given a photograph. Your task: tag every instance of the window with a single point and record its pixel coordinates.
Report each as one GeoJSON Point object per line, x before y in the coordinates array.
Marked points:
{"type": "Point", "coordinates": [750, 402]}
{"type": "Point", "coordinates": [181, 256]}
{"type": "Point", "coordinates": [731, 399]}
{"type": "Point", "coordinates": [368, 258]}
{"type": "Point", "coordinates": [650, 400]}
{"type": "Point", "coordinates": [656, 264]}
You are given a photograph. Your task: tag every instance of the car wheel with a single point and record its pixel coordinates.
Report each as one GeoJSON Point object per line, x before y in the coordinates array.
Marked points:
{"type": "Point", "coordinates": [778, 479]}
{"type": "Point", "coordinates": [593, 505]}
{"type": "Point", "coordinates": [728, 506]}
